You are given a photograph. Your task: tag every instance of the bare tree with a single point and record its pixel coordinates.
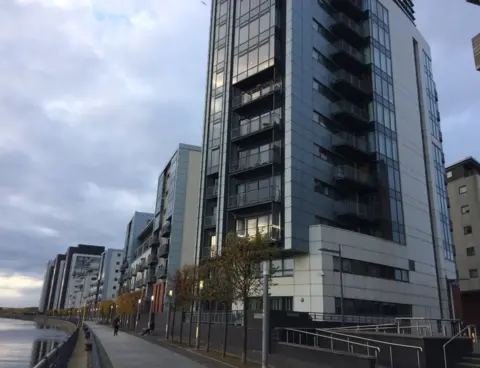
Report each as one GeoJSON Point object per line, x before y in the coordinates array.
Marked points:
{"type": "Point", "coordinates": [240, 261]}
{"type": "Point", "coordinates": [184, 292]}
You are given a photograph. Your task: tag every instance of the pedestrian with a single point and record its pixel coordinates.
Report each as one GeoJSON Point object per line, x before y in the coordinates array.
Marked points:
{"type": "Point", "coordinates": [116, 326]}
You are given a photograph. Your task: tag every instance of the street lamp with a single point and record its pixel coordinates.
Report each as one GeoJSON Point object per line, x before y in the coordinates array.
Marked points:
{"type": "Point", "coordinates": [197, 339]}
{"type": "Point", "coordinates": [266, 312]}
{"type": "Point", "coordinates": [170, 294]}
{"type": "Point", "coordinates": [138, 314]}
{"type": "Point", "coordinates": [151, 307]}
{"type": "Point", "coordinates": [339, 254]}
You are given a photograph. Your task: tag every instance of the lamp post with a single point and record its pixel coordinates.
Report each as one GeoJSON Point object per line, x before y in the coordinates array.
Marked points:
{"type": "Point", "coordinates": [137, 317]}
{"type": "Point", "coordinates": [170, 294]}
{"type": "Point", "coordinates": [199, 312]}
{"type": "Point", "coordinates": [266, 312]}
{"type": "Point", "coordinates": [152, 298]}
{"type": "Point", "coordinates": [339, 254]}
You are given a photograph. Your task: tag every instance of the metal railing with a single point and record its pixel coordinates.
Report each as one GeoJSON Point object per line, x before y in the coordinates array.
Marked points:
{"type": "Point", "coordinates": [331, 317]}
{"type": "Point", "coordinates": [256, 124]}
{"type": "Point", "coordinates": [305, 338]}
{"type": "Point", "coordinates": [345, 138]}
{"type": "Point", "coordinates": [351, 173]}
{"type": "Point", "coordinates": [469, 329]}
{"type": "Point", "coordinates": [59, 356]}
{"type": "Point", "coordinates": [254, 160]}
{"type": "Point", "coordinates": [257, 93]}
{"type": "Point", "coordinates": [234, 317]}
{"type": "Point", "coordinates": [390, 345]}
{"type": "Point", "coordinates": [344, 107]}
{"type": "Point", "coordinates": [252, 197]}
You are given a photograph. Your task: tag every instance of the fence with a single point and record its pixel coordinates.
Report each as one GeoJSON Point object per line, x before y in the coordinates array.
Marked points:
{"type": "Point", "coordinates": [58, 357]}
{"type": "Point", "coordinates": [234, 317]}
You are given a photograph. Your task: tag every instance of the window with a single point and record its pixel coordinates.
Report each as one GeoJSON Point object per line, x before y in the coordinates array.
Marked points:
{"type": "Point", "coordinates": [362, 307]}
{"type": "Point", "coordinates": [470, 251]}
{"type": "Point", "coordinates": [118, 263]}
{"type": "Point", "coordinates": [467, 230]}
{"type": "Point", "coordinates": [465, 209]}
{"type": "Point", "coordinates": [116, 271]}
{"type": "Point", "coordinates": [411, 265]}
{"type": "Point", "coordinates": [449, 174]}
{"type": "Point", "coordinates": [473, 273]}
{"type": "Point", "coordinates": [282, 267]}
{"type": "Point", "coordinates": [114, 288]}
{"type": "Point", "coordinates": [462, 189]}
{"type": "Point", "coordinates": [324, 90]}
{"type": "Point", "coordinates": [362, 268]}
{"type": "Point", "coordinates": [322, 153]}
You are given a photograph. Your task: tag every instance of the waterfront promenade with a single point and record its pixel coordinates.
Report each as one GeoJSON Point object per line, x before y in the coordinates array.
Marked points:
{"type": "Point", "coordinates": [129, 351]}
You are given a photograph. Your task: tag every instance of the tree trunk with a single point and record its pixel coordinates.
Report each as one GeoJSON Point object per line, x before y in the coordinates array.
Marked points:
{"type": "Point", "coordinates": [190, 326]}
{"type": "Point", "coordinates": [225, 332]}
{"type": "Point", "coordinates": [209, 329]}
{"type": "Point", "coordinates": [173, 323]}
{"type": "Point", "coordinates": [181, 324]}
{"type": "Point", "coordinates": [245, 330]}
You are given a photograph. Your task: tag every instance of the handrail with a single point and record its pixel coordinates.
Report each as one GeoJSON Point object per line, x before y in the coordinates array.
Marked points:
{"type": "Point", "coordinates": [372, 340]}
{"type": "Point", "coordinates": [363, 326]}
{"type": "Point", "coordinates": [336, 339]}
{"type": "Point", "coordinates": [389, 344]}
{"type": "Point", "coordinates": [453, 338]}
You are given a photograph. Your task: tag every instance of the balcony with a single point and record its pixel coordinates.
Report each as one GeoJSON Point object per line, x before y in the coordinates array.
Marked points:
{"type": "Point", "coordinates": [262, 95]}
{"type": "Point", "coordinates": [133, 270]}
{"type": "Point", "coordinates": [255, 161]}
{"type": "Point", "coordinates": [272, 232]}
{"type": "Point", "coordinates": [438, 115]}
{"type": "Point", "coordinates": [210, 221]}
{"type": "Point", "coordinates": [435, 95]}
{"type": "Point", "coordinates": [139, 282]}
{"type": "Point", "coordinates": [166, 228]}
{"type": "Point", "coordinates": [164, 248]}
{"type": "Point", "coordinates": [354, 8]}
{"type": "Point", "coordinates": [153, 242]}
{"type": "Point", "coordinates": [161, 272]}
{"type": "Point", "coordinates": [350, 87]}
{"type": "Point", "coordinates": [348, 57]}
{"type": "Point", "coordinates": [258, 126]}
{"type": "Point", "coordinates": [349, 178]}
{"type": "Point", "coordinates": [152, 259]}
{"type": "Point", "coordinates": [206, 253]}
{"type": "Point", "coordinates": [142, 265]}
{"type": "Point", "coordinates": [355, 212]}
{"type": "Point", "coordinates": [349, 145]}
{"type": "Point", "coordinates": [348, 29]}
{"type": "Point", "coordinates": [211, 191]}
{"type": "Point", "coordinates": [351, 116]}
{"type": "Point", "coordinates": [255, 197]}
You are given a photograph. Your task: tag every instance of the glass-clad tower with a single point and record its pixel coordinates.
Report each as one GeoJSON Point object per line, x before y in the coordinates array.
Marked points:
{"type": "Point", "coordinates": [321, 132]}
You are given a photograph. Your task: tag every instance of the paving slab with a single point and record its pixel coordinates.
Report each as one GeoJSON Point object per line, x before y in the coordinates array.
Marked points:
{"type": "Point", "coordinates": [128, 351]}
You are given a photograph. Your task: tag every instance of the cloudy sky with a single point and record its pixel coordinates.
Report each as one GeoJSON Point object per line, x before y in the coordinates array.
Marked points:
{"type": "Point", "coordinates": [95, 95]}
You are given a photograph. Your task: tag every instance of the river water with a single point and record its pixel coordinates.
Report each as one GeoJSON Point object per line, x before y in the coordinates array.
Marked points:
{"type": "Point", "coordinates": [22, 343]}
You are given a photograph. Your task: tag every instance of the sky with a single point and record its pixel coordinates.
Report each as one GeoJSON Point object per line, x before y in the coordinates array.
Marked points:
{"type": "Point", "coordinates": [95, 95]}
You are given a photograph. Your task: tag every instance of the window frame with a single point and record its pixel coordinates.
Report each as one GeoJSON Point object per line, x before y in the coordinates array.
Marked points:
{"type": "Point", "coordinates": [465, 209]}
{"type": "Point", "coordinates": [467, 230]}
{"type": "Point", "coordinates": [470, 251]}
{"type": "Point", "coordinates": [462, 189]}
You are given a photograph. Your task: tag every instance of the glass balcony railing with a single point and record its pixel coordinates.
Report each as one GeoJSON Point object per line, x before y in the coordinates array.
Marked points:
{"type": "Point", "coordinates": [267, 157]}
{"type": "Point", "coordinates": [345, 77]}
{"type": "Point", "coordinates": [211, 191]}
{"type": "Point", "coordinates": [344, 107]}
{"type": "Point", "coordinates": [350, 140]}
{"type": "Point", "coordinates": [257, 93]}
{"type": "Point", "coordinates": [344, 47]}
{"type": "Point", "coordinates": [346, 21]}
{"type": "Point", "coordinates": [272, 232]}
{"type": "Point", "coordinates": [256, 124]}
{"type": "Point", "coordinates": [210, 220]}
{"type": "Point", "coordinates": [255, 197]}
{"type": "Point", "coordinates": [353, 208]}
{"type": "Point", "coordinates": [161, 272]}
{"type": "Point", "coordinates": [346, 172]}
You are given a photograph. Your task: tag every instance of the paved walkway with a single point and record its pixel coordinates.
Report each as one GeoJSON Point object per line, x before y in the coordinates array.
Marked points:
{"type": "Point", "coordinates": [128, 351]}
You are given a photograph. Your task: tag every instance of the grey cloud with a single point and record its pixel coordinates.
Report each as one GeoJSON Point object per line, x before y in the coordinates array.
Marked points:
{"type": "Point", "coordinates": [87, 104]}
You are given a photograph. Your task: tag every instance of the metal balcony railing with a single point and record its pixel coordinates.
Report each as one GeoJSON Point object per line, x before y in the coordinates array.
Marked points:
{"type": "Point", "coordinates": [256, 124]}
{"type": "Point", "coordinates": [211, 191]}
{"type": "Point", "coordinates": [348, 139]}
{"type": "Point", "coordinates": [254, 197]}
{"type": "Point", "coordinates": [267, 157]}
{"type": "Point", "coordinates": [344, 107]}
{"type": "Point", "coordinates": [350, 23]}
{"type": "Point", "coordinates": [343, 172]}
{"type": "Point", "coordinates": [342, 46]}
{"type": "Point", "coordinates": [349, 207]}
{"type": "Point", "coordinates": [257, 93]}
{"type": "Point", "coordinates": [344, 76]}
{"type": "Point", "coordinates": [272, 232]}
{"type": "Point", "coordinates": [210, 220]}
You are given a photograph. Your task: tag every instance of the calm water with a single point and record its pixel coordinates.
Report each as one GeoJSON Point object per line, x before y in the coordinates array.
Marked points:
{"type": "Point", "coordinates": [21, 342]}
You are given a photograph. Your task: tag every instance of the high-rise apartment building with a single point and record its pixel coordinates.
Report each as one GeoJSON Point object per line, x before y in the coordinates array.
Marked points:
{"type": "Point", "coordinates": [322, 131]}
{"type": "Point", "coordinates": [47, 285]}
{"type": "Point", "coordinates": [106, 287]}
{"type": "Point", "coordinates": [476, 51]}
{"type": "Point", "coordinates": [168, 241]}
{"type": "Point", "coordinates": [464, 193]}
{"type": "Point", "coordinates": [57, 277]}
{"type": "Point", "coordinates": [77, 260]}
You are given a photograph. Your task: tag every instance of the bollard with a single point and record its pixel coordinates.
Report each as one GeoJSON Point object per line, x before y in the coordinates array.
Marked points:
{"type": "Point", "coordinates": [88, 346]}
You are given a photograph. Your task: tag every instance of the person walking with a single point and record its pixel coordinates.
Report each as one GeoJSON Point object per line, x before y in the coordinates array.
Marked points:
{"type": "Point", "coordinates": [116, 326]}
